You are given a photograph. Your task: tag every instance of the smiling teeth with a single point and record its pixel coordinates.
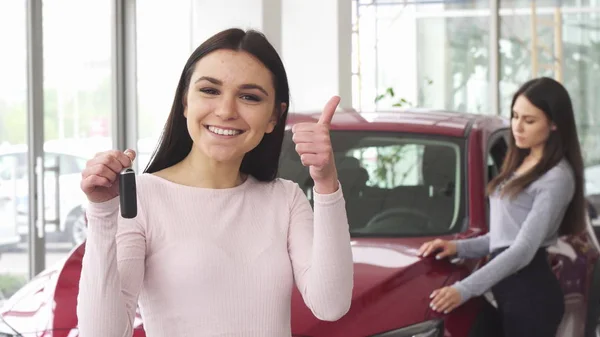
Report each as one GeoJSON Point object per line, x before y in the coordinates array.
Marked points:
{"type": "Point", "coordinates": [223, 131]}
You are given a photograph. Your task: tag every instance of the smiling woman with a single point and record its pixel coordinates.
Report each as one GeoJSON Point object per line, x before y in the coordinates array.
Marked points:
{"type": "Point", "coordinates": [229, 78]}
{"type": "Point", "coordinates": [219, 241]}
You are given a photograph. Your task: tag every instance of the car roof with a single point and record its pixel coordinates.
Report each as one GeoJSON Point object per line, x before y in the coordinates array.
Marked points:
{"type": "Point", "coordinates": [426, 121]}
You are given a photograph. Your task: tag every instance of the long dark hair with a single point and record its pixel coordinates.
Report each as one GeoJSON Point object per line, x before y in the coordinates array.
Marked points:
{"type": "Point", "coordinates": [175, 142]}
{"type": "Point", "coordinates": [553, 99]}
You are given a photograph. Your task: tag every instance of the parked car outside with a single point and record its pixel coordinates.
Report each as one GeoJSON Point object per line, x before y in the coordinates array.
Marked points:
{"type": "Point", "coordinates": [408, 177]}
{"type": "Point", "coordinates": [65, 220]}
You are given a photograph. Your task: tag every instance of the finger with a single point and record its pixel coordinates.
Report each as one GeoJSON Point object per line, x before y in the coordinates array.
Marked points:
{"type": "Point", "coordinates": [432, 248]}
{"type": "Point", "coordinates": [439, 298]}
{"type": "Point", "coordinates": [131, 155]}
{"type": "Point", "coordinates": [109, 162]}
{"type": "Point", "coordinates": [329, 110]}
{"type": "Point", "coordinates": [311, 137]}
{"type": "Point", "coordinates": [423, 248]}
{"type": "Point", "coordinates": [434, 293]}
{"type": "Point", "coordinates": [100, 170]}
{"type": "Point", "coordinates": [311, 159]}
{"type": "Point", "coordinates": [448, 305]}
{"type": "Point", "coordinates": [444, 253]}
{"type": "Point", "coordinates": [450, 308]}
{"type": "Point", "coordinates": [443, 302]}
{"type": "Point", "coordinates": [90, 183]}
{"type": "Point", "coordinates": [315, 148]}
{"type": "Point", "coordinates": [124, 159]}
{"type": "Point", "coordinates": [309, 127]}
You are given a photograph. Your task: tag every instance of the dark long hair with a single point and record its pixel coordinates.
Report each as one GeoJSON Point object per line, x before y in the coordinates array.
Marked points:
{"type": "Point", "coordinates": [175, 142]}
{"type": "Point", "coordinates": [553, 99]}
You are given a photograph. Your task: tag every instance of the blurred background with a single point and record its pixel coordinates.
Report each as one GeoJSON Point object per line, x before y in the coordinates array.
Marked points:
{"type": "Point", "coordinates": [82, 76]}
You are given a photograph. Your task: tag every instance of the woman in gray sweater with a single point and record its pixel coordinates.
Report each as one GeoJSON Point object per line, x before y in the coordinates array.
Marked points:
{"type": "Point", "coordinates": [537, 196]}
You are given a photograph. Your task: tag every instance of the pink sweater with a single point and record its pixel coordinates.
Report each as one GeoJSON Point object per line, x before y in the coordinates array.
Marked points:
{"type": "Point", "coordinates": [214, 262]}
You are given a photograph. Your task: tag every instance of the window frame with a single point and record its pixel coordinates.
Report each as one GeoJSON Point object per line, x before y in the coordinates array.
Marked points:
{"type": "Point", "coordinates": [461, 203]}
{"type": "Point", "coordinates": [492, 141]}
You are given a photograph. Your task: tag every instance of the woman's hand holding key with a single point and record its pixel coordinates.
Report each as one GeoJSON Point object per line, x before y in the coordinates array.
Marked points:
{"type": "Point", "coordinates": [100, 178]}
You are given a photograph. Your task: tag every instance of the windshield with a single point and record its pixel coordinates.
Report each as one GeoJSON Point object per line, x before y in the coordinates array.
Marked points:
{"type": "Point", "coordinates": [394, 184]}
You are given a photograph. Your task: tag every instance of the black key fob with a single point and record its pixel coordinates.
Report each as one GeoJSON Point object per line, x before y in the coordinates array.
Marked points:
{"type": "Point", "coordinates": [127, 193]}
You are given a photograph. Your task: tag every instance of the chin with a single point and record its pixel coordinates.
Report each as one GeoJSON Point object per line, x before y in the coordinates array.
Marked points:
{"type": "Point", "coordinates": [522, 145]}
{"type": "Point", "coordinates": [224, 155]}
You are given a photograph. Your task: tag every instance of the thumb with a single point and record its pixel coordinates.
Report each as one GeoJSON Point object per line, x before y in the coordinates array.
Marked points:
{"type": "Point", "coordinates": [329, 110]}
{"type": "Point", "coordinates": [131, 154]}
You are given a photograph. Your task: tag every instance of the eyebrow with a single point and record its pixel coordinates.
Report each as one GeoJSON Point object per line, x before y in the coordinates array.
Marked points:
{"type": "Point", "coordinates": [243, 86]}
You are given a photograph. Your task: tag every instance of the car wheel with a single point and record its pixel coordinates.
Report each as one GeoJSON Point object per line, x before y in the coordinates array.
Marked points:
{"type": "Point", "coordinates": [77, 228]}
{"type": "Point", "coordinates": [592, 326]}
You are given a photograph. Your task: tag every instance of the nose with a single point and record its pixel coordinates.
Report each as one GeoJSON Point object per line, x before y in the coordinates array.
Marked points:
{"type": "Point", "coordinates": [517, 125]}
{"type": "Point", "coordinates": [226, 108]}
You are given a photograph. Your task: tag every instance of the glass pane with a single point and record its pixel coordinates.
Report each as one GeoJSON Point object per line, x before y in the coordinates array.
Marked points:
{"type": "Point", "coordinates": [567, 48]}
{"type": "Point", "coordinates": [391, 180]}
{"type": "Point", "coordinates": [14, 263]}
{"type": "Point", "coordinates": [157, 84]}
{"type": "Point", "coordinates": [77, 111]}
{"type": "Point", "coordinates": [428, 55]}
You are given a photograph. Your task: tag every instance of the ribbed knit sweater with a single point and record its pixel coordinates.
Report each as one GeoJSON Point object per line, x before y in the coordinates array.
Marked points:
{"type": "Point", "coordinates": [214, 262]}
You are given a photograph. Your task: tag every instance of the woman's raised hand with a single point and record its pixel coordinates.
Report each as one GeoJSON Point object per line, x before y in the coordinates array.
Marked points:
{"type": "Point", "coordinates": [100, 178]}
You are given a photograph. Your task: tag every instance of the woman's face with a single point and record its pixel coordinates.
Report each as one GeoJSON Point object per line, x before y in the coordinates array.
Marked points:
{"type": "Point", "coordinates": [230, 104]}
{"type": "Point", "coordinates": [530, 126]}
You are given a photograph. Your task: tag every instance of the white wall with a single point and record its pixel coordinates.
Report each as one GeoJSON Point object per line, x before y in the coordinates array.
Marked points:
{"type": "Point", "coordinates": [317, 47]}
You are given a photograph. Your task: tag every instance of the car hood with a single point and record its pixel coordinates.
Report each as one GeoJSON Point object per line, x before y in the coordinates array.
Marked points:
{"type": "Point", "coordinates": [30, 309]}
{"type": "Point", "coordinates": [381, 267]}
{"type": "Point", "coordinates": [386, 272]}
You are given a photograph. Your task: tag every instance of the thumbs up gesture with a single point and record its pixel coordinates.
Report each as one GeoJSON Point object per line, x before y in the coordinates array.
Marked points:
{"type": "Point", "coordinates": [313, 144]}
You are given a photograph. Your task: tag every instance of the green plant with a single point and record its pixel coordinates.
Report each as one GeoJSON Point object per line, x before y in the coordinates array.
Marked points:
{"type": "Point", "coordinates": [10, 283]}
{"type": "Point", "coordinates": [389, 92]}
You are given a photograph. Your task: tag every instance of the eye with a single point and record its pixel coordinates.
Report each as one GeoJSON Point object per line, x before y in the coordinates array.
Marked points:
{"type": "Point", "coordinates": [209, 91]}
{"type": "Point", "coordinates": [252, 98]}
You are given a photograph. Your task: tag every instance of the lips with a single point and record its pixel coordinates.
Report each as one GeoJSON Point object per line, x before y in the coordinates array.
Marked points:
{"type": "Point", "coordinates": [223, 131]}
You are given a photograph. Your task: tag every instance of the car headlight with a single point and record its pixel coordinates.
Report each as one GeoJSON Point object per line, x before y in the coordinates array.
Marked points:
{"type": "Point", "coordinates": [433, 328]}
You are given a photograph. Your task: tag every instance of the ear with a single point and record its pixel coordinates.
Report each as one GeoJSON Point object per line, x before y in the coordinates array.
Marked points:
{"type": "Point", "coordinates": [275, 117]}
{"type": "Point", "coordinates": [184, 103]}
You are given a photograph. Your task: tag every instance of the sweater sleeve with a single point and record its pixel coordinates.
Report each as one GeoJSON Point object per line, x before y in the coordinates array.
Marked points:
{"type": "Point", "coordinates": [112, 272]}
{"type": "Point", "coordinates": [473, 248]}
{"type": "Point", "coordinates": [321, 254]}
{"type": "Point", "coordinates": [551, 198]}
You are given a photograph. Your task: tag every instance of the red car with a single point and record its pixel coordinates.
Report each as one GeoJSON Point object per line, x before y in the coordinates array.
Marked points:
{"type": "Point", "coordinates": [408, 177]}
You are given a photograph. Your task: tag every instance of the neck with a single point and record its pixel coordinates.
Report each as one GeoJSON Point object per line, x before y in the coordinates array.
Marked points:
{"type": "Point", "coordinates": [537, 152]}
{"type": "Point", "coordinates": [200, 171]}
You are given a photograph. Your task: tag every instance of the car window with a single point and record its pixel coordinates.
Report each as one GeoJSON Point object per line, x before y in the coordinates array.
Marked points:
{"type": "Point", "coordinates": [495, 156]}
{"type": "Point", "coordinates": [394, 184]}
{"type": "Point", "coordinates": [13, 166]}
{"type": "Point", "coordinates": [391, 166]}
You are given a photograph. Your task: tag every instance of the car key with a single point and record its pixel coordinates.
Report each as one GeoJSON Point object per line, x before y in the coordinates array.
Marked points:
{"type": "Point", "coordinates": [128, 194]}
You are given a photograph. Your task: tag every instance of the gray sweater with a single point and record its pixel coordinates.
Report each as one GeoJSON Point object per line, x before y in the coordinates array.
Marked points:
{"type": "Point", "coordinates": [524, 224]}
